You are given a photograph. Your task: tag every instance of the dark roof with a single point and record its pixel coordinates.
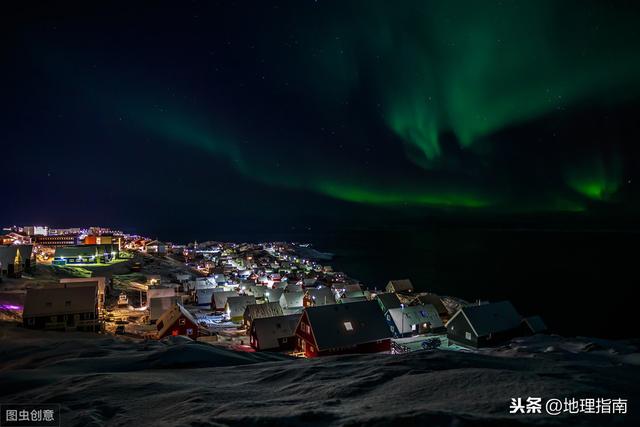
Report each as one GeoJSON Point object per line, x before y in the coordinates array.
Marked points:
{"type": "Point", "coordinates": [399, 285]}
{"type": "Point", "coordinates": [388, 300]}
{"type": "Point", "coordinates": [60, 300]}
{"type": "Point", "coordinates": [321, 296]}
{"type": "Point", "coordinates": [535, 324]}
{"type": "Point", "coordinates": [269, 329]}
{"type": "Point", "coordinates": [257, 311]}
{"type": "Point", "coordinates": [435, 301]}
{"type": "Point", "coordinates": [491, 318]}
{"type": "Point", "coordinates": [219, 299]}
{"type": "Point", "coordinates": [365, 319]}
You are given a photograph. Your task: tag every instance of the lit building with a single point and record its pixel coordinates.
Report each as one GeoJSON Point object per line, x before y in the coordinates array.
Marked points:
{"type": "Point", "coordinates": [85, 254]}
{"type": "Point", "coordinates": [71, 306]}
{"type": "Point", "coordinates": [36, 230]}
{"type": "Point", "coordinates": [57, 241]}
{"type": "Point", "coordinates": [13, 238]}
{"type": "Point", "coordinates": [63, 231]}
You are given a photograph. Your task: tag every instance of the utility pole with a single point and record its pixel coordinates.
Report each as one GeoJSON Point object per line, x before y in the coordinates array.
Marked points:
{"type": "Point", "coordinates": [402, 314]}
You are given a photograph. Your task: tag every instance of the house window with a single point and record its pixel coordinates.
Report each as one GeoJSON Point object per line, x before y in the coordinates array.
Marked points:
{"type": "Point", "coordinates": [348, 326]}
{"type": "Point", "coordinates": [467, 335]}
{"type": "Point", "coordinates": [189, 331]}
{"type": "Point", "coordinates": [181, 322]}
{"type": "Point", "coordinates": [422, 313]}
{"type": "Point", "coordinates": [31, 321]}
{"type": "Point", "coordinates": [284, 340]}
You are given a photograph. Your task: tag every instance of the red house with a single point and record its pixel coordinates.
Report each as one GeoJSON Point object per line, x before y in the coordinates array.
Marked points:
{"type": "Point", "coordinates": [358, 327]}
{"type": "Point", "coordinates": [177, 321]}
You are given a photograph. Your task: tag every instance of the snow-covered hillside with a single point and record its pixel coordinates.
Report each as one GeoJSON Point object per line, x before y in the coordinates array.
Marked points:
{"type": "Point", "coordinates": [102, 380]}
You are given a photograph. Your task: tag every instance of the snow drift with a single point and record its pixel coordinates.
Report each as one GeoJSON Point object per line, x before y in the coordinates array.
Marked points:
{"type": "Point", "coordinates": [118, 381]}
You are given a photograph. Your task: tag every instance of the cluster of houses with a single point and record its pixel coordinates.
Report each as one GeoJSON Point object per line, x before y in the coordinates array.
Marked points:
{"type": "Point", "coordinates": [282, 302]}
{"type": "Point", "coordinates": [293, 305]}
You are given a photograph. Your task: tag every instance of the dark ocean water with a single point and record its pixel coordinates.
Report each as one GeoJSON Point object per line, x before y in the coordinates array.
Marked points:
{"type": "Point", "coordinates": [582, 282]}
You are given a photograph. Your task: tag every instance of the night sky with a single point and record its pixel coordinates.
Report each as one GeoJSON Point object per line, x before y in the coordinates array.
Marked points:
{"type": "Point", "coordinates": [191, 119]}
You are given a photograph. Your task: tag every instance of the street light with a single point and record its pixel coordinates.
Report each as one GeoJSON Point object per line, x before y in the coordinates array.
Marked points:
{"type": "Point", "coordinates": [402, 315]}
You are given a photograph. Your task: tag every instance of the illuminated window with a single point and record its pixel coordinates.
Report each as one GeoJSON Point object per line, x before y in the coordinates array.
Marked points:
{"type": "Point", "coordinates": [348, 326]}
{"type": "Point", "coordinates": [182, 322]}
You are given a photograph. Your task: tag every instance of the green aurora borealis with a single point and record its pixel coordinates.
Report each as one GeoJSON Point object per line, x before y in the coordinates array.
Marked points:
{"type": "Point", "coordinates": [456, 105]}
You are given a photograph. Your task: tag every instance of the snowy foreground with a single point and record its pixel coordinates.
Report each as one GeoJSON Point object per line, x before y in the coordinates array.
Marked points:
{"type": "Point", "coordinates": [101, 380]}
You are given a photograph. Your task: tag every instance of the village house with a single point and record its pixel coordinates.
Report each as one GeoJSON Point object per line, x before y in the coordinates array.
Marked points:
{"type": "Point", "coordinates": [183, 278]}
{"type": "Point", "coordinates": [293, 287]}
{"type": "Point", "coordinates": [402, 285]}
{"type": "Point", "coordinates": [353, 296]}
{"type": "Point", "coordinates": [257, 311]}
{"type": "Point", "coordinates": [534, 325]}
{"type": "Point", "coordinates": [177, 321]}
{"type": "Point", "coordinates": [203, 297]}
{"type": "Point", "coordinates": [413, 320]}
{"type": "Point", "coordinates": [292, 301]}
{"type": "Point", "coordinates": [318, 296]}
{"type": "Point", "coordinates": [484, 325]}
{"type": "Point", "coordinates": [236, 306]}
{"type": "Point", "coordinates": [159, 301]}
{"type": "Point", "coordinates": [359, 327]}
{"type": "Point", "coordinates": [156, 247]}
{"type": "Point", "coordinates": [219, 298]}
{"type": "Point", "coordinates": [271, 295]}
{"type": "Point", "coordinates": [274, 333]}
{"type": "Point", "coordinates": [257, 291]}
{"type": "Point", "coordinates": [436, 301]}
{"type": "Point", "coordinates": [65, 307]}
{"type": "Point", "coordinates": [342, 288]}
{"type": "Point", "coordinates": [387, 301]}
